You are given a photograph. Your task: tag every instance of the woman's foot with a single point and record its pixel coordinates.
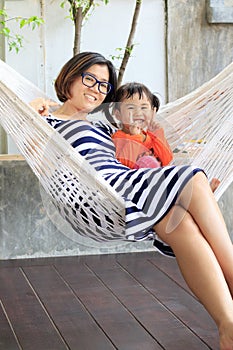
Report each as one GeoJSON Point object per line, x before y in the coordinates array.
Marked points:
{"type": "Point", "coordinates": [214, 183]}
{"type": "Point", "coordinates": [226, 336]}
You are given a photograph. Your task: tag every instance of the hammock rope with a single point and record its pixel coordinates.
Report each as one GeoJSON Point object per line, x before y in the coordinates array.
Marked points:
{"type": "Point", "coordinates": [199, 128]}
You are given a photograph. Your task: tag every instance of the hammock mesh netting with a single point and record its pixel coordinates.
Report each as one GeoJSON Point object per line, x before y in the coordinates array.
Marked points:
{"type": "Point", "coordinates": [199, 128]}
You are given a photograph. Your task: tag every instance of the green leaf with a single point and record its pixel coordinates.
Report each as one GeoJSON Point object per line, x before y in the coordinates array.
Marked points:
{"type": "Point", "coordinates": [6, 31]}
{"type": "Point", "coordinates": [3, 13]}
{"type": "Point", "coordinates": [22, 23]}
{"type": "Point", "coordinates": [15, 42]}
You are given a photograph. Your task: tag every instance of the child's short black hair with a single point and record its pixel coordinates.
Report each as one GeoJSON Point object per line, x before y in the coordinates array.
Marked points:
{"type": "Point", "coordinates": [129, 89]}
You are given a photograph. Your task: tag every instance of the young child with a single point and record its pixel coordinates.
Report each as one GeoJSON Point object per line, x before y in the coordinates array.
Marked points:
{"type": "Point", "coordinates": [140, 143]}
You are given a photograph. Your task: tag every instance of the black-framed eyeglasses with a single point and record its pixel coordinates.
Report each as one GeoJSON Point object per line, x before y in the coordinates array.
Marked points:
{"type": "Point", "coordinates": [90, 80]}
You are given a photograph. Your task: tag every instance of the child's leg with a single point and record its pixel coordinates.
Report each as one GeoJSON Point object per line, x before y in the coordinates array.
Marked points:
{"type": "Point", "coordinates": [147, 162]}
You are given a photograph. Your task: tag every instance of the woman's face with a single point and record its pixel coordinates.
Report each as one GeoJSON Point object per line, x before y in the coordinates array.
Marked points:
{"type": "Point", "coordinates": [85, 98]}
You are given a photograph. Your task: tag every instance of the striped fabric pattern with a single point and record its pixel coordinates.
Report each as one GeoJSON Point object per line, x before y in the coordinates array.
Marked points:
{"type": "Point", "coordinates": [148, 193]}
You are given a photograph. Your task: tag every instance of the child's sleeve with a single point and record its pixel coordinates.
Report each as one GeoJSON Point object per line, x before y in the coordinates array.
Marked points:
{"type": "Point", "coordinates": [160, 146]}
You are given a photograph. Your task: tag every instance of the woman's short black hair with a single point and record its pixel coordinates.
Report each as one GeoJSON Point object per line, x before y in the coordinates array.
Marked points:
{"type": "Point", "coordinates": [75, 67]}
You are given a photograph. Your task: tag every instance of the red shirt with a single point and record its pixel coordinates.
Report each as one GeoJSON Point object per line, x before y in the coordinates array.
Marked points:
{"type": "Point", "coordinates": [129, 148]}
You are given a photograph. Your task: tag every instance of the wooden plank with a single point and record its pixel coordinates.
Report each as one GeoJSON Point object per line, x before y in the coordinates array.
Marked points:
{"type": "Point", "coordinates": [169, 331]}
{"type": "Point", "coordinates": [7, 338]}
{"type": "Point", "coordinates": [35, 261]}
{"type": "Point", "coordinates": [170, 268]}
{"type": "Point", "coordinates": [118, 323]}
{"type": "Point", "coordinates": [136, 300]}
{"type": "Point", "coordinates": [167, 265]}
{"type": "Point", "coordinates": [30, 322]}
{"type": "Point", "coordinates": [75, 324]}
{"type": "Point", "coordinates": [10, 157]}
{"type": "Point", "coordinates": [176, 299]}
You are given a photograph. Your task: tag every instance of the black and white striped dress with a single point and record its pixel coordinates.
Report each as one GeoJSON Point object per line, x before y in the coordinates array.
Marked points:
{"type": "Point", "coordinates": [148, 193]}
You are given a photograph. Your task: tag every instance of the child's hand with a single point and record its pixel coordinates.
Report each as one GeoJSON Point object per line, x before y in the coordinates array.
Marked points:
{"type": "Point", "coordinates": [42, 106]}
{"type": "Point", "coordinates": [153, 126]}
{"type": "Point", "coordinates": [135, 129]}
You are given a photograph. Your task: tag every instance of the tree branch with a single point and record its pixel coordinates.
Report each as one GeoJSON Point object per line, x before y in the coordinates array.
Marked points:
{"type": "Point", "coordinates": [130, 44]}
{"type": "Point", "coordinates": [77, 32]}
{"type": "Point", "coordinates": [88, 7]}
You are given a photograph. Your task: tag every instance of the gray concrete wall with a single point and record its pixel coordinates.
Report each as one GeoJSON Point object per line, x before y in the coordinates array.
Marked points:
{"type": "Point", "coordinates": [196, 49]}
{"type": "Point", "coordinates": [225, 204]}
{"type": "Point", "coordinates": [29, 225]}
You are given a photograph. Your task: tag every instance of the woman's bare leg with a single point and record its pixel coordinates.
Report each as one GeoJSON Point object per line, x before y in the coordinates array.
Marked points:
{"type": "Point", "coordinates": [205, 211]}
{"type": "Point", "coordinates": [204, 252]}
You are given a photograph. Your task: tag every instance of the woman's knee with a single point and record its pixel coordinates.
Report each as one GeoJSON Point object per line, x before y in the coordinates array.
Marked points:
{"type": "Point", "coordinates": [194, 190]}
{"type": "Point", "coordinates": [200, 179]}
{"type": "Point", "coordinates": [176, 223]}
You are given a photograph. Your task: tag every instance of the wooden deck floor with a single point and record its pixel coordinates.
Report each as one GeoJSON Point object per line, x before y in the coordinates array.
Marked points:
{"type": "Point", "coordinates": [125, 301]}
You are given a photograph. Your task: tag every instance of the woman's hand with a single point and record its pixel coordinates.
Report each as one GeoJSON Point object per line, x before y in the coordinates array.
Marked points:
{"type": "Point", "coordinates": [42, 105]}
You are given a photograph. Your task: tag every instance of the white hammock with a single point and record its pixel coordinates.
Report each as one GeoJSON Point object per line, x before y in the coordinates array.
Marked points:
{"type": "Point", "coordinates": [199, 128]}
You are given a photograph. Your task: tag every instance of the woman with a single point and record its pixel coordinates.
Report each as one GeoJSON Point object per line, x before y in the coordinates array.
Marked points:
{"type": "Point", "coordinates": [175, 202]}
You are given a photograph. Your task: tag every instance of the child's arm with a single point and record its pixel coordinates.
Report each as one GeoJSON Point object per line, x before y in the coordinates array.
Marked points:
{"type": "Point", "coordinates": [160, 146]}
{"type": "Point", "coordinates": [154, 126]}
{"type": "Point", "coordinates": [158, 131]}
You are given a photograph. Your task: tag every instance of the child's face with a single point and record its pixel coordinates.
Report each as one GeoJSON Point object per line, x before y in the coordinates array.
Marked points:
{"type": "Point", "coordinates": [135, 111]}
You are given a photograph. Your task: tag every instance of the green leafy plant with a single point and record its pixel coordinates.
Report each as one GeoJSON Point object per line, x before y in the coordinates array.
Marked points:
{"type": "Point", "coordinates": [15, 40]}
